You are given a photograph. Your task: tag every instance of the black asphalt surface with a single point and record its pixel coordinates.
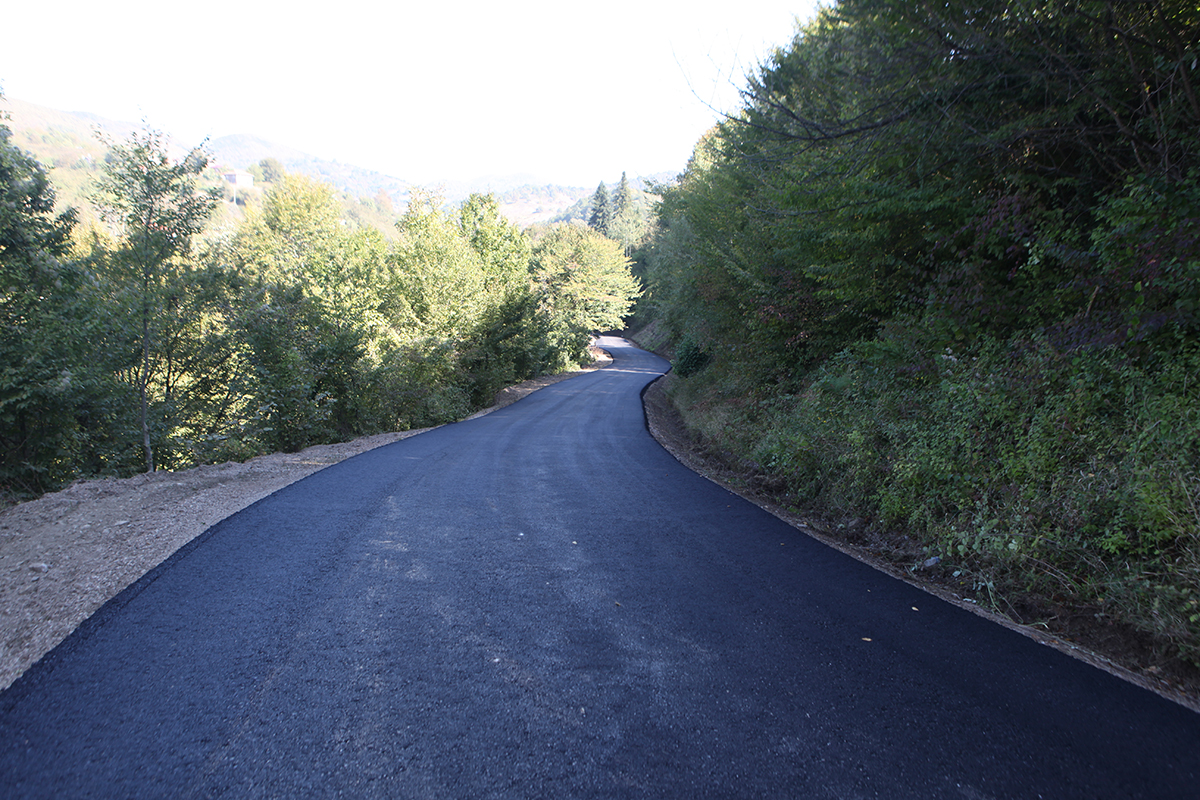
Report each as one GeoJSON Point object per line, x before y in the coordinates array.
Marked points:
{"type": "Point", "coordinates": [543, 603]}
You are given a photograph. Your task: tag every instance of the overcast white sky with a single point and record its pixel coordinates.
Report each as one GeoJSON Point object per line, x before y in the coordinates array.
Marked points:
{"type": "Point", "coordinates": [570, 92]}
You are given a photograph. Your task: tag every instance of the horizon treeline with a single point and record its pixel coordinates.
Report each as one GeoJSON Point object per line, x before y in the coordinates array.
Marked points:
{"type": "Point", "coordinates": [149, 339]}
{"type": "Point", "coordinates": [941, 273]}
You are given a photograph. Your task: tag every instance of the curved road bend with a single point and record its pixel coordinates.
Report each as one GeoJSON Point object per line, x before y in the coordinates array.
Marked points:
{"type": "Point", "coordinates": [542, 602]}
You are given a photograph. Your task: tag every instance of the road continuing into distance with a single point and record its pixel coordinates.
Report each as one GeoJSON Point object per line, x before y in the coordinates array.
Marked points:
{"type": "Point", "coordinates": [543, 603]}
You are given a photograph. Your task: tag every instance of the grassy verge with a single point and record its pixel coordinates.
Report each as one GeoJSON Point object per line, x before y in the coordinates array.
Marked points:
{"type": "Point", "coordinates": [1059, 490]}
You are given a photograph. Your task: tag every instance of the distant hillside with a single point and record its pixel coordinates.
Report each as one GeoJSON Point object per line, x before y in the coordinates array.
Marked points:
{"type": "Point", "coordinates": [66, 141]}
{"type": "Point", "coordinates": [241, 151]}
{"type": "Point", "coordinates": [521, 199]}
{"type": "Point", "coordinates": [71, 132]}
{"type": "Point", "coordinates": [528, 205]}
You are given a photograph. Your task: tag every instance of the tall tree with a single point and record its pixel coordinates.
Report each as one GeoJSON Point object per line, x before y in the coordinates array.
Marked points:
{"type": "Point", "coordinates": [438, 271]}
{"type": "Point", "coordinates": [630, 223]}
{"type": "Point", "coordinates": [294, 233]}
{"type": "Point", "coordinates": [601, 215]}
{"type": "Point", "coordinates": [321, 309]}
{"type": "Point", "coordinates": [500, 244]}
{"type": "Point", "coordinates": [41, 339]}
{"type": "Point", "coordinates": [272, 170]}
{"type": "Point", "coordinates": [156, 207]}
{"type": "Point", "coordinates": [957, 155]}
{"type": "Point", "coordinates": [584, 286]}
{"type": "Point", "coordinates": [622, 198]}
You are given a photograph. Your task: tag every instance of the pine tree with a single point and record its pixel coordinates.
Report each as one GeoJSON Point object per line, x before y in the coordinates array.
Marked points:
{"type": "Point", "coordinates": [601, 216]}
{"type": "Point", "coordinates": [621, 198]}
{"type": "Point", "coordinates": [629, 223]}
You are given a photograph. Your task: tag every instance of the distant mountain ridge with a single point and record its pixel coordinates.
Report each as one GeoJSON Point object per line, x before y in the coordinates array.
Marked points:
{"type": "Point", "coordinates": [79, 124]}
{"type": "Point", "coordinates": [240, 150]}
{"type": "Point", "coordinates": [522, 198]}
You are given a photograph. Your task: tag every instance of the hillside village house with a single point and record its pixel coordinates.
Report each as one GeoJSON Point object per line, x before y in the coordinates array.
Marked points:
{"type": "Point", "coordinates": [239, 179]}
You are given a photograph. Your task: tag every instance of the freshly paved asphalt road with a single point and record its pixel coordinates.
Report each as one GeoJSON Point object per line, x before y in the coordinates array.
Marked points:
{"type": "Point", "coordinates": [543, 603]}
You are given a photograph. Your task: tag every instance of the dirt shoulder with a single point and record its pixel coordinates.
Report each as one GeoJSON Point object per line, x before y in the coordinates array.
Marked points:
{"type": "Point", "coordinates": [64, 555]}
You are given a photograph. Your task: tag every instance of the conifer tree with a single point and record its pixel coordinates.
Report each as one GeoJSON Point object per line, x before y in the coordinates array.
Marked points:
{"type": "Point", "coordinates": [628, 224]}
{"type": "Point", "coordinates": [601, 216]}
{"type": "Point", "coordinates": [621, 198]}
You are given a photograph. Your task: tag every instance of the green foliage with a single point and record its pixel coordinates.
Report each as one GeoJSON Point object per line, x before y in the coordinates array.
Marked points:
{"type": "Point", "coordinates": [945, 261]}
{"type": "Point", "coordinates": [151, 340]}
{"type": "Point", "coordinates": [156, 209]}
{"type": "Point", "coordinates": [271, 170]}
{"type": "Point", "coordinates": [622, 198]}
{"type": "Point", "coordinates": [630, 223]}
{"type": "Point", "coordinates": [304, 366]}
{"type": "Point", "coordinates": [690, 358]}
{"type": "Point", "coordinates": [627, 215]}
{"type": "Point", "coordinates": [601, 215]}
{"type": "Point", "coordinates": [1147, 243]}
{"type": "Point", "coordinates": [1069, 475]}
{"type": "Point", "coordinates": [43, 330]}
{"type": "Point", "coordinates": [437, 271]}
{"type": "Point", "coordinates": [584, 286]}
{"type": "Point", "coordinates": [503, 250]}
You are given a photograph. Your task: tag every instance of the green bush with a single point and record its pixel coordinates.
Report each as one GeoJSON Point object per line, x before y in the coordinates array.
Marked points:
{"type": "Point", "coordinates": [690, 358]}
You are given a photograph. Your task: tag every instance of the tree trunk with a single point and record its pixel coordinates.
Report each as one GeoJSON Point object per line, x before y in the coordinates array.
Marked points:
{"type": "Point", "coordinates": [143, 380]}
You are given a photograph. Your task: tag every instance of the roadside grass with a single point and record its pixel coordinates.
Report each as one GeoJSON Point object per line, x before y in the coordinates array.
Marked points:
{"type": "Point", "coordinates": [1059, 488]}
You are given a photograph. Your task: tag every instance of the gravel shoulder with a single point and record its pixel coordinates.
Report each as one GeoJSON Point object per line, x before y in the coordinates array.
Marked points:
{"type": "Point", "coordinates": [66, 554]}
